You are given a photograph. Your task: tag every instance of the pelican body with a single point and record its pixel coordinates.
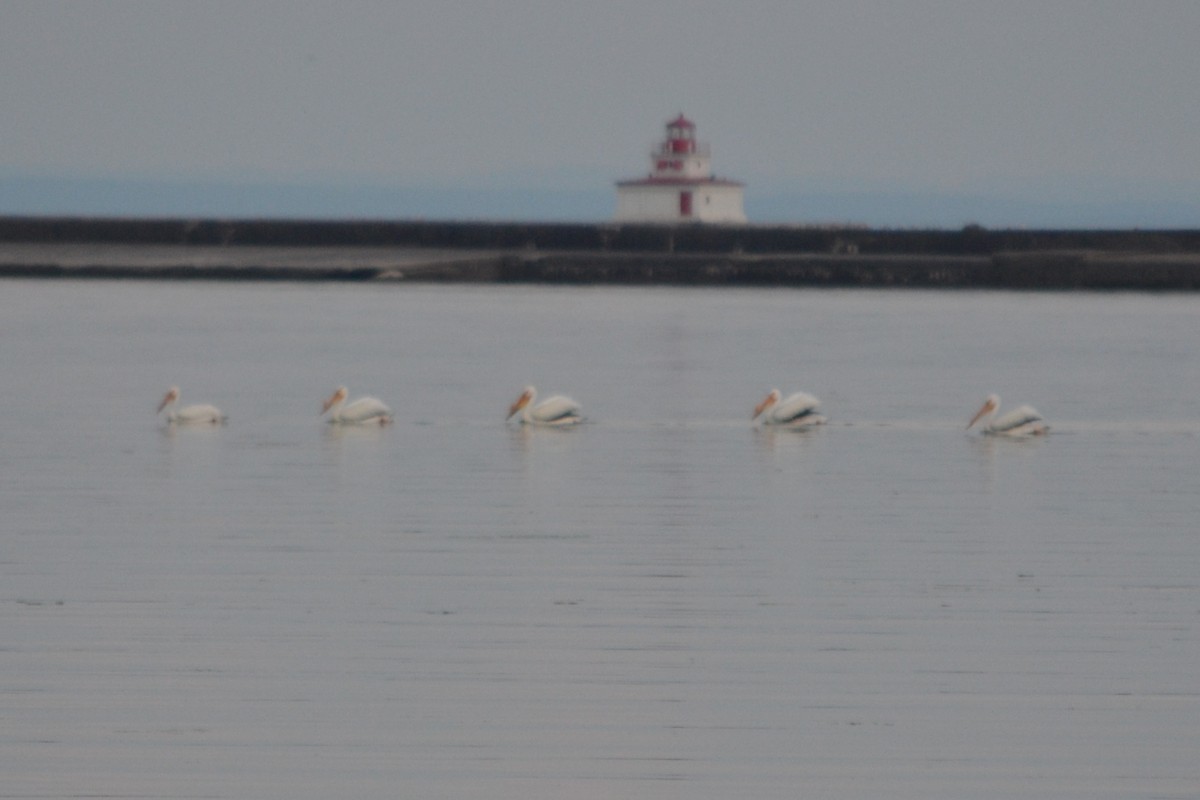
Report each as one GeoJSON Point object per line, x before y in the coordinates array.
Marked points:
{"type": "Point", "coordinates": [557, 410]}
{"type": "Point", "coordinates": [796, 411]}
{"type": "Point", "coordinates": [363, 411]}
{"type": "Point", "coordinates": [200, 414]}
{"type": "Point", "coordinates": [1021, 421]}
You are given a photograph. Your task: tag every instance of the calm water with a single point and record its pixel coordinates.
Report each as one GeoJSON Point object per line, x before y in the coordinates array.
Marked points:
{"type": "Point", "coordinates": [663, 603]}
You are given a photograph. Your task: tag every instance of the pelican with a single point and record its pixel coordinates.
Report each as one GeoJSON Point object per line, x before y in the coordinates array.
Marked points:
{"type": "Point", "coordinates": [363, 411]}
{"type": "Point", "coordinates": [188, 415]}
{"type": "Point", "coordinates": [1021, 421]}
{"type": "Point", "coordinates": [797, 411]}
{"type": "Point", "coordinates": [556, 410]}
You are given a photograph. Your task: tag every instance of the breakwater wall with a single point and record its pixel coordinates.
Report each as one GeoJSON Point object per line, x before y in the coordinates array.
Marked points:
{"type": "Point", "coordinates": [599, 253]}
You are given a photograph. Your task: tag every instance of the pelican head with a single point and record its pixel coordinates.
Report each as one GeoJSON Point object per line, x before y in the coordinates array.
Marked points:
{"type": "Point", "coordinates": [338, 396]}
{"type": "Point", "coordinates": [525, 399]}
{"type": "Point", "coordinates": [771, 399]}
{"type": "Point", "coordinates": [170, 397]}
{"type": "Point", "coordinates": [990, 404]}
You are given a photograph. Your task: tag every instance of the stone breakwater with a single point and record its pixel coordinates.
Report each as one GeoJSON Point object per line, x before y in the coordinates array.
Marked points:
{"type": "Point", "coordinates": [701, 255]}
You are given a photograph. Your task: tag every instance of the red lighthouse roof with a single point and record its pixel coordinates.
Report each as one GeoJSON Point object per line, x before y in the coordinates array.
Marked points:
{"type": "Point", "coordinates": [681, 122]}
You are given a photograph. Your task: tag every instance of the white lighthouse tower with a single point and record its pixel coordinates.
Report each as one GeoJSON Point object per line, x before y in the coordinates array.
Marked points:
{"type": "Point", "coordinates": [680, 186]}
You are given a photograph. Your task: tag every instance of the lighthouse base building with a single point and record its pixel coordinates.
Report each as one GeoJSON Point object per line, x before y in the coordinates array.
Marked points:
{"type": "Point", "coordinates": [680, 186]}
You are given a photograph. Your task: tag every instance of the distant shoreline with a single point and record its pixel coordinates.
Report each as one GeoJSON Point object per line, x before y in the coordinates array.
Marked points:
{"type": "Point", "coordinates": [565, 253]}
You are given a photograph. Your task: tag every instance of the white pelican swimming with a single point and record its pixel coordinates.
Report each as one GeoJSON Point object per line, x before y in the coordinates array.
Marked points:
{"type": "Point", "coordinates": [188, 415]}
{"type": "Point", "coordinates": [556, 410]}
{"type": "Point", "coordinates": [1021, 421]}
{"type": "Point", "coordinates": [363, 411]}
{"type": "Point", "coordinates": [797, 411]}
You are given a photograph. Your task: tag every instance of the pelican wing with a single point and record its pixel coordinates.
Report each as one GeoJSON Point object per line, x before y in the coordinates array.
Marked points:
{"type": "Point", "coordinates": [1016, 419]}
{"type": "Point", "coordinates": [365, 409]}
{"type": "Point", "coordinates": [197, 413]}
{"type": "Point", "coordinates": [796, 407]}
{"type": "Point", "coordinates": [556, 410]}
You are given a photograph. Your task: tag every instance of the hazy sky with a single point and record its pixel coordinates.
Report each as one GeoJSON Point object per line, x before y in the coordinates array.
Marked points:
{"type": "Point", "coordinates": [945, 96]}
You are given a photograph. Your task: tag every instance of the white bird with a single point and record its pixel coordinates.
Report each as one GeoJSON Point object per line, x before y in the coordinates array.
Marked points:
{"type": "Point", "coordinates": [188, 415]}
{"type": "Point", "coordinates": [363, 411]}
{"type": "Point", "coordinates": [556, 410]}
{"type": "Point", "coordinates": [1021, 421]}
{"type": "Point", "coordinates": [797, 411]}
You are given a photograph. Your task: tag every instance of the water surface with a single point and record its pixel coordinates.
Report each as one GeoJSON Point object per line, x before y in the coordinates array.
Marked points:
{"type": "Point", "coordinates": [661, 603]}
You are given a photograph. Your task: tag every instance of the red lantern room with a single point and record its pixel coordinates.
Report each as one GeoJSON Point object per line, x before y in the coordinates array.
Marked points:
{"type": "Point", "coordinates": [680, 155]}
{"type": "Point", "coordinates": [681, 135]}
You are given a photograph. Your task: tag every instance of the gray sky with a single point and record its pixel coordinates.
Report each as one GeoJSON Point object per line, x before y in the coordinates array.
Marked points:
{"type": "Point", "coordinates": [945, 96]}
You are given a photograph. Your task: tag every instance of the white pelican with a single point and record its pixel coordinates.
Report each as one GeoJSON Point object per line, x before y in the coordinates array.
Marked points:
{"type": "Point", "coordinates": [363, 411]}
{"type": "Point", "coordinates": [1021, 421]}
{"type": "Point", "coordinates": [556, 410]}
{"type": "Point", "coordinates": [797, 411]}
{"type": "Point", "coordinates": [188, 415]}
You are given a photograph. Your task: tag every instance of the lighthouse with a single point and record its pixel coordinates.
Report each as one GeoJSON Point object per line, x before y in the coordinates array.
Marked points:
{"type": "Point", "coordinates": [680, 186]}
